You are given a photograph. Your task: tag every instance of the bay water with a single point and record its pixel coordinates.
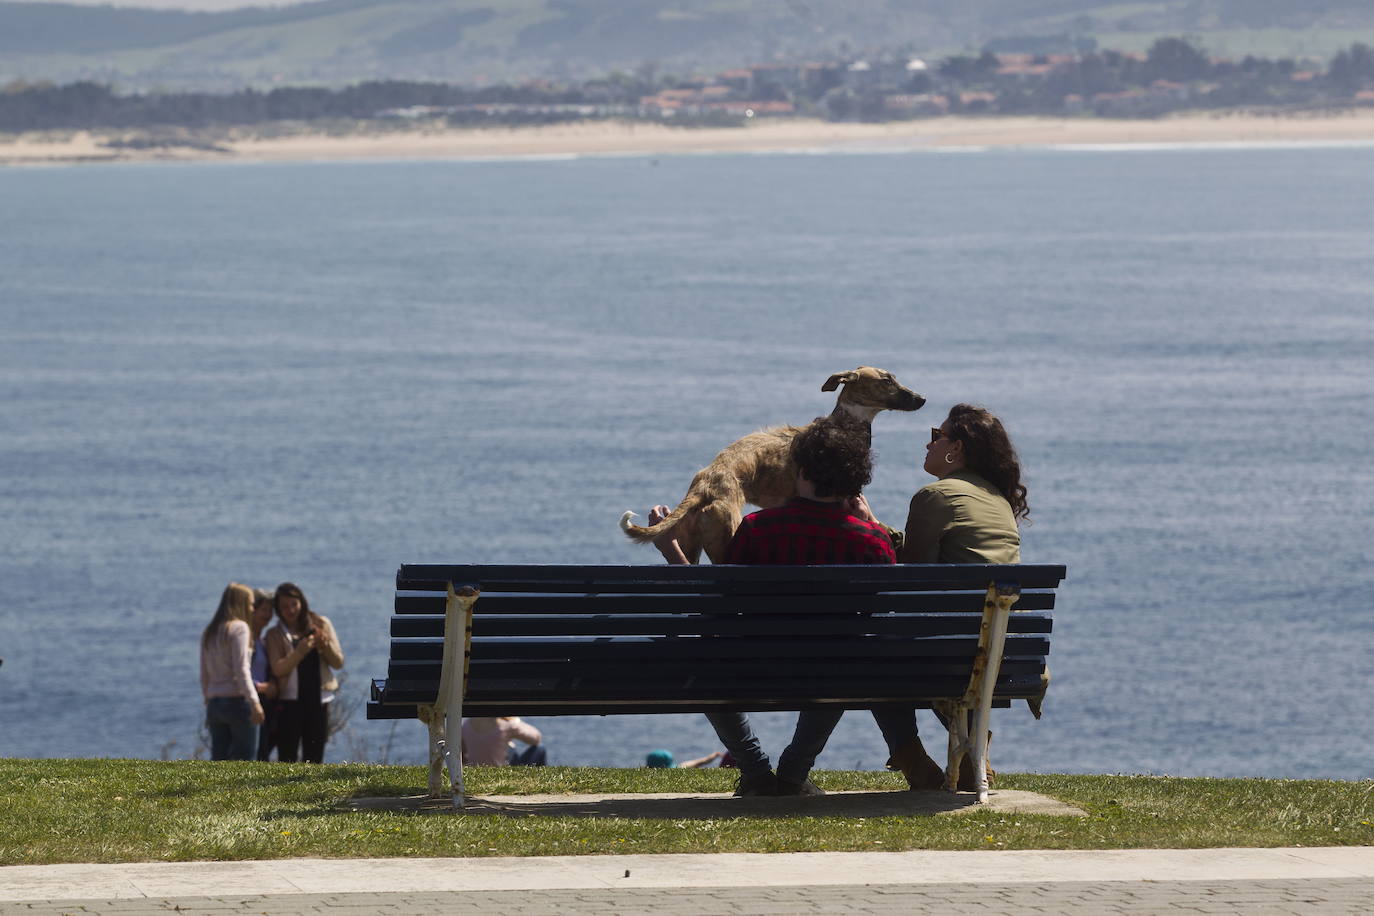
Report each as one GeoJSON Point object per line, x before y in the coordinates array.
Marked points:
{"type": "Point", "coordinates": [316, 372]}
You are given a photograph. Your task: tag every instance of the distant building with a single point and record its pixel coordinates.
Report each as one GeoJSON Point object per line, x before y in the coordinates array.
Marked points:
{"type": "Point", "coordinates": [740, 81]}
{"type": "Point", "coordinates": [1025, 66]}
{"type": "Point", "coordinates": [915, 105]}
{"type": "Point", "coordinates": [977, 102]}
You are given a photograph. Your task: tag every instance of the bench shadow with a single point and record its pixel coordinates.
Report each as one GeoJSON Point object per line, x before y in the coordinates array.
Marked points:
{"type": "Point", "coordinates": [684, 807]}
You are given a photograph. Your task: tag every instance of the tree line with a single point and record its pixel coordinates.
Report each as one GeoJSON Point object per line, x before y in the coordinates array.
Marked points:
{"type": "Point", "coordinates": [1096, 75]}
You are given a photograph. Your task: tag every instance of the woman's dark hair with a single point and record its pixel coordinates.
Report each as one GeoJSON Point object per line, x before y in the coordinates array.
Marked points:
{"type": "Point", "coordinates": [308, 619]}
{"type": "Point", "coordinates": [988, 452]}
{"type": "Point", "coordinates": [833, 454]}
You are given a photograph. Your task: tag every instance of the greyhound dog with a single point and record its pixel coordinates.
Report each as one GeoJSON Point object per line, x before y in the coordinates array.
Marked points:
{"type": "Point", "coordinates": [758, 469]}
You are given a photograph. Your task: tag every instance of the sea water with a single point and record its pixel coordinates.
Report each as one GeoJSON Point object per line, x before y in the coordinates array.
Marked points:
{"type": "Point", "coordinates": [317, 372]}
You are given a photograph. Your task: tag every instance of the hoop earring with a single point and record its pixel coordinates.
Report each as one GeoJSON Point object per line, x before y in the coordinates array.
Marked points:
{"type": "Point", "coordinates": [948, 458]}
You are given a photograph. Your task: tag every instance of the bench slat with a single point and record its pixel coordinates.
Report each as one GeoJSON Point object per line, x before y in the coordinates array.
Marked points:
{"type": "Point", "coordinates": [416, 626]}
{"type": "Point", "coordinates": [532, 708]}
{"type": "Point", "coordinates": [642, 650]}
{"type": "Point", "coordinates": [637, 676]}
{"type": "Point", "coordinates": [792, 692]}
{"type": "Point", "coordinates": [650, 650]}
{"type": "Point", "coordinates": [923, 603]}
{"type": "Point", "coordinates": [722, 578]}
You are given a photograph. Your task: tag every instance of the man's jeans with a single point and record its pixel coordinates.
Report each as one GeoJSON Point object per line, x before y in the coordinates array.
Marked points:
{"type": "Point", "coordinates": [897, 722]}
{"type": "Point", "coordinates": [808, 740]}
{"type": "Point", "coordinates": [233, 736]}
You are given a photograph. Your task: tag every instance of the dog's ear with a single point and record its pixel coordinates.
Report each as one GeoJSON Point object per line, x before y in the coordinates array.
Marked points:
{"type": "Point", "coordinates": [838, 379]}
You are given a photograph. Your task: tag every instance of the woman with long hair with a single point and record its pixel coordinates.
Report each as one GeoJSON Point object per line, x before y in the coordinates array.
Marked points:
{"type": "Point", "coordinates": [303, 651]}
{"type": "Point", "coordinates": [232, 710]}
{"type": "Point", "coordinates": [968, 515]}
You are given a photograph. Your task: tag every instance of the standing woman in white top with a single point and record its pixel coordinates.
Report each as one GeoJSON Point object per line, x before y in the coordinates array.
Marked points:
{"type": "Point", "coordinates": [303, 651]}
{"type": "Point", "coordinates": [232, 710]}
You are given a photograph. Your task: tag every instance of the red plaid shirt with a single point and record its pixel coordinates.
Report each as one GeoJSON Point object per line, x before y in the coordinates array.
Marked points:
{"type": "Point", "coordinates": [804, 532]}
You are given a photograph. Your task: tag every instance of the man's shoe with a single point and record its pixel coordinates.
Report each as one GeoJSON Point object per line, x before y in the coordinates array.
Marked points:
{"type": "Point", "coordinates": [805, 788]}
{"type": "Point", "coordinates": [753, 784]}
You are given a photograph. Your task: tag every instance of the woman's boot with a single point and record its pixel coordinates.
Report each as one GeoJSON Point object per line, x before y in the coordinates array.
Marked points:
{"type": "Point", "coordinates": [920, 771]}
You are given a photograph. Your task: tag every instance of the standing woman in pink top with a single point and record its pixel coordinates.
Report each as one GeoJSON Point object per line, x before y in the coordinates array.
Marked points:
{"type": "Point", "coordinates": [232, 710]}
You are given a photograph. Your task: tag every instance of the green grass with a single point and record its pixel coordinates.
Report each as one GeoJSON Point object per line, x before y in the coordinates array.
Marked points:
{"type": "Point", "coordinates": [137, 810]}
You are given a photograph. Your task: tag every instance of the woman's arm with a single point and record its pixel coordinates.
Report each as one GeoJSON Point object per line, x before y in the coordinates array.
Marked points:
{"type": "Point", "coordinates": [282, 656]}
{"type": "Point", "coordinates": [520, 730]}
{"type": "Point", "coordinates": [701, 761]}
{"type": "Point", "coordinates": [241, 662]}
{"type": "Point", "coordinates": [858, 507]}
{"type": "Point", "coordinates": [927, 518]}
{"type": "Point", "coordinates": [328, 644]}
{"type": "Point", "coordinates": [262, 670]}
{"type": "Point", "coordinates": [666, 543]}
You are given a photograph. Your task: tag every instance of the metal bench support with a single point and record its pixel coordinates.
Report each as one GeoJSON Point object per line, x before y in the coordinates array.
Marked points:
{"type": "Point", "coordinates": [445, 717]}
{"type": "Point", "coordinates": [976, 703]}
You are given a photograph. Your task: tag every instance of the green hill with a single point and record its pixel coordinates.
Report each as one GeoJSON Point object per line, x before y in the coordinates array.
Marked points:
{"type": "Point", "coordinates": [343, 41]}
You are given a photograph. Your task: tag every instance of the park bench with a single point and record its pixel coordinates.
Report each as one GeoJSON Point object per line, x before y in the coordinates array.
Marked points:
{"type": "Point", "coordinates": [605, 640]}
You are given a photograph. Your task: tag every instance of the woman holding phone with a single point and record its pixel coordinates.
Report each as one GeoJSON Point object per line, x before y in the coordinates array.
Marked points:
{"type": "Point", "coordinates": [303, 651]}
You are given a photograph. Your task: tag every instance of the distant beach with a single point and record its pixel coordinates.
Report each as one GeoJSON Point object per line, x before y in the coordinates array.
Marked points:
{"type": "Point", "coordinates": [619, 138]}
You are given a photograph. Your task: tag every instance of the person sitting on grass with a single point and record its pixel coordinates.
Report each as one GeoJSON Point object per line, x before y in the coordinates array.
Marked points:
{"type": "Point", "coordinates": [817, 526]}
{"type": "Point", "coordinates": [663, 760]}
{"type": "Point", "coordinates": [490, 741]}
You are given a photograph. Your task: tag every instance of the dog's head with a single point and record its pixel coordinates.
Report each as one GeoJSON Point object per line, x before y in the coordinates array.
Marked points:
{"type": "Point", "coordinates": [870, 390]}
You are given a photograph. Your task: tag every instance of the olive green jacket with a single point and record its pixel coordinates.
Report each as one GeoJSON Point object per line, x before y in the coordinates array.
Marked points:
{"type": "Point", "coordinates": [960, 519]}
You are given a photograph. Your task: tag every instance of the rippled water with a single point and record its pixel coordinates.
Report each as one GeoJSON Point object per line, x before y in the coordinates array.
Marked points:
{"type": "Point", "coordinates": [318, 372]}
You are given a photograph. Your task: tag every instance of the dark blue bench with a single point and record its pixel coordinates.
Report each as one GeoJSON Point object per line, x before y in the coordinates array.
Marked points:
{"type": "Point", "coordinates": [607, 640]}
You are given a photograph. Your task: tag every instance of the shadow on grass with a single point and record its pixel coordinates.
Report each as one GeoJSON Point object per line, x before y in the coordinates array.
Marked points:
{"type": "Point", "coordinates": [861, 804]}
{"type": "Point", "coordinates": [192, 789]}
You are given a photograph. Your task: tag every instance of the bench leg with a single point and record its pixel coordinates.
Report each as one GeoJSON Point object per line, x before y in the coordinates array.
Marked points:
{"type": "Point", "coordinates": [453, 754]}
{"type": "Point", "coordinates": [966, 742]}
{"type": "Point", "coordinates": [976, 702]}
{"type": "Point", "coordinates": [433, 719]}
{"type": "Point", "coordinates": [956, 720]}
{"type": "Point", "coordinates": [992, 641]}
{"type": "Point", "coordinates": [446, 719]}
{"type": "Point", "coordinates": [436, 758]}
{"type": "Point", "coordinates": [979, 755]}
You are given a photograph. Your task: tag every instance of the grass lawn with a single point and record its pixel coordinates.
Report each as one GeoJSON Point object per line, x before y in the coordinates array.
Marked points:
{"type": "Point", "coordinates": [140, 810]}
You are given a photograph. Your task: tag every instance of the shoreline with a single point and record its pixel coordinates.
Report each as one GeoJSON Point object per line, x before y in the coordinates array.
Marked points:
{"type": "Point", "coordinates": [620, 138]}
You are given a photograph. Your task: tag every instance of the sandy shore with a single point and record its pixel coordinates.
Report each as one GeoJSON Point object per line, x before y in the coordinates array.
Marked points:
{"type": "Point", "coordinates": [606, 138]}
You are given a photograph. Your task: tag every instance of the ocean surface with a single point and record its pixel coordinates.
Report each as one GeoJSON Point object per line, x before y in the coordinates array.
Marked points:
{"type": "Point", "coordinates": [317, 372]}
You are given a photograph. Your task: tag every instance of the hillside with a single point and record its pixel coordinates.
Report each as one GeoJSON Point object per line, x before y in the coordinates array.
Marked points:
{"type": "Point", "coordinates": [343, 41]}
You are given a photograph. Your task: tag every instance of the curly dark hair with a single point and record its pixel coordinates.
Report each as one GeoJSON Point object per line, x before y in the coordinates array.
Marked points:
{"type": "Point", "coordinates": [989, 453]}
{"type": "Point", "coordinates": [833, 454]}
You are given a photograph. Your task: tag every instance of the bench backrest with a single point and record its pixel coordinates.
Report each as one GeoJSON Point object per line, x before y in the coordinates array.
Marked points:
{"type": "Point", "coordinates": [580, 640]}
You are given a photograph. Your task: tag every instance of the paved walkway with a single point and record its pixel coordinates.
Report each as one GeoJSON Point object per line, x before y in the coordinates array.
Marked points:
{"type": "Point", "coordinates": [1233, 881]}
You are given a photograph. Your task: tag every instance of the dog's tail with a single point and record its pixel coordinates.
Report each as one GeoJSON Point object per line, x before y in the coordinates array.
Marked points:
{"type": "Point", "coordinates": [644, 534]}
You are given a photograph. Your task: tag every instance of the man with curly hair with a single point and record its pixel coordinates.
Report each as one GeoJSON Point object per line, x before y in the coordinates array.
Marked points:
{"type": "Point", "coordinates": [815, 527]}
